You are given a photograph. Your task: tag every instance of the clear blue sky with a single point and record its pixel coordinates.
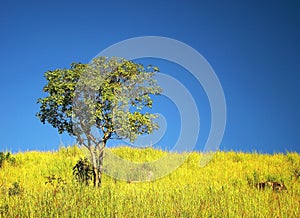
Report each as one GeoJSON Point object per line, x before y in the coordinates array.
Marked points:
{"type": "Point", "coordinates": [253, 46]}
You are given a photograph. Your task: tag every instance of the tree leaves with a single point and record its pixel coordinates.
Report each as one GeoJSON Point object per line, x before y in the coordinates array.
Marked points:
{"type": "Point", "coordinates": [108, 94]}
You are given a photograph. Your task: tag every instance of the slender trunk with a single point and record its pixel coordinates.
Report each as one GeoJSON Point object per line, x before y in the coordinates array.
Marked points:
{"type": "Point", "coordinates": [97, 154]}
{"type": "Point", "coordinates": [95, 167]}
{"type": "Point", "coordinates": [100, 167]}
{"type": "Point", "coordinates": [96, 177]}
{"type": "Point", "coordinates": [100, 162]}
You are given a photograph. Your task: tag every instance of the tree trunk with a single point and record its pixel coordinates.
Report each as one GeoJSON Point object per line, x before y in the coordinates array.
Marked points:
{"type": "Point", "coordinates": [97, 154]}
{"type": "Point", "coordinates": [95, 167]}
{"type": "Point", "coordinates": [100, 166]}
{"type": "Point", "coordinates": [96, 176]}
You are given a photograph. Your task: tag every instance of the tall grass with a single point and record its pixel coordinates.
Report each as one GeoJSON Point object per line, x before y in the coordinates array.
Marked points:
{"type": "Point", "coordinates": [222, 188]}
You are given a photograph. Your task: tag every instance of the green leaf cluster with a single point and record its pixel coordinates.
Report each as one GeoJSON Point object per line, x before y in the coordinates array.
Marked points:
{"type": "Point", "coordinates": [108, 94]}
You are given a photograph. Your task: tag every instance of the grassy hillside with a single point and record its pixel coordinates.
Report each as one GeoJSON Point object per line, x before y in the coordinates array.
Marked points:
{"type": "Point", "coordinates": [41, 184]}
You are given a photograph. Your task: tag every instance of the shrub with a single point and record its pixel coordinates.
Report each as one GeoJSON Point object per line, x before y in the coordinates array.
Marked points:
{"type": "Point", "coordinates": [6, 157]}
{"type": "Point", "coordinates": [15, 189]}
{"type": "Point", "coordinates": [83, 171]}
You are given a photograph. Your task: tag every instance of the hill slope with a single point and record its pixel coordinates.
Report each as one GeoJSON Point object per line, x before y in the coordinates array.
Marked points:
{"type": "Point", "coordinates": [41, 184]}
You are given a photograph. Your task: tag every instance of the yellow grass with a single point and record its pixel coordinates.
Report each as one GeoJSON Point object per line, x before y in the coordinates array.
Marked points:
{"type": "Point", "coordinates": [222, 188]}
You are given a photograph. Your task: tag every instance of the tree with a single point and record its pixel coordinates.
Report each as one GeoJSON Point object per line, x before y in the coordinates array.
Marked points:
{"type": "Point", "coordinates": [106, 99]}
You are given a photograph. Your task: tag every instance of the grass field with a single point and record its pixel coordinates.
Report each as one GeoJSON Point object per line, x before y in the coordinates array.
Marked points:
{"type": "Point", "coordinates": [41, 184]}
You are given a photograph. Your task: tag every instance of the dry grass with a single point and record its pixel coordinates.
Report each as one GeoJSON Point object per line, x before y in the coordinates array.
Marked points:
{"type": "Point", "coordinates": [223, 188]}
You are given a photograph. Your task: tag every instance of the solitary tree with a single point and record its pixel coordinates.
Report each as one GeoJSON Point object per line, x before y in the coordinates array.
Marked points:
{"type": "Point", "coordinates": [106, 99]}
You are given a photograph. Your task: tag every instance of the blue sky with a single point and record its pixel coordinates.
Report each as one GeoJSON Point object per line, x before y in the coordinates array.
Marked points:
{"type": "Point", "coordinates": [253, 47]}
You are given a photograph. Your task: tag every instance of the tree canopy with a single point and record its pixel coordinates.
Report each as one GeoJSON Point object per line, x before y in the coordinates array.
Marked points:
{"type": "Point", "coordinates": [102, 100]}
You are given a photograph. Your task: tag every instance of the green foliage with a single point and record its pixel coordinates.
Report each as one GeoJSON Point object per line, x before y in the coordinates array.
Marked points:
{"type": "Point", "coordinates": [83, 171]}
{"type": "Point", "coordinates": [6, 157]}
{"type": "Point", "coordinates": [15, 189]}
{"type": "Point", "coordinates": [56, 108]}
{"type": "Point", "coordinates": [104, 89]}
{"type": "Point", "coordinates": [108, 94]}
